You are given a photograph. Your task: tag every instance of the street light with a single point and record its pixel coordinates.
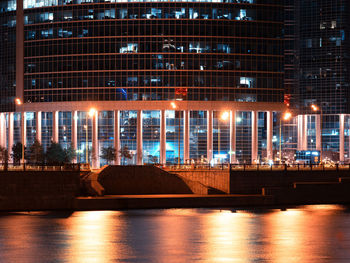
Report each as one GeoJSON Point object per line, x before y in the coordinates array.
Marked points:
{"type": "Point", "coordinates": [286, 116]}
{"type": "Point", "coordinates": [90, 114]}
{"type": "Point", "coordinates": [224, 116]}
{"type": "Point", "coordinates": [314, 107]}
{"type": "Point", "coordinates": [19, 102]}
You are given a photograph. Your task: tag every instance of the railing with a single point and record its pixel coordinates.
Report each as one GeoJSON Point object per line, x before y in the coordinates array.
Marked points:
{"type": "Point", "coordinates": [44, 167]}
{"type": "Point", "coordinates": [259, 167]}
{"type": "Point", "coordinates": [289, 167]}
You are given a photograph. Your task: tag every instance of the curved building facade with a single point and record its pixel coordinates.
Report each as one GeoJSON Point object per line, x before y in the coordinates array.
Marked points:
{"type": "Point", "coordinates": [172, 80]}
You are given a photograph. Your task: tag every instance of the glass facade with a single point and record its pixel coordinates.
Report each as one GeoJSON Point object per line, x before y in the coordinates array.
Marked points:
{"type": "Point", "coordinates": [65, 128]}
{"type": "Point", "coordinates": [324, 51]}
{"type": "Point", "coordinates": [221, 136]}
{"type": "Point", "coordinates": [105, 132]}
{"type": "Point", "coordinates": [198, 136]}
{"type": "Point", "coordinates": [7, 55]}
{"type": "Point", "coordinates": [46, 129]}
{"type": "Point", "coordinates": [30, 118]}
{"type": "Point", "coordinates": [243, 136]}
{"type": "Point", "coordinates": [84, 134]}
{"type": "Point", "coordinates": [174, 136]}
{"type": "Point", "coordinates": [128, 133]}
{"type": "Point", "coordinates": [229, 51]}
{"type": "Point", "coordinates": [151, 136]}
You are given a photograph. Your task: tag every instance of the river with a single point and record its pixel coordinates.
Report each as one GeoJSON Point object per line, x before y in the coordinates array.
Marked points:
{"type": "Point", "coordinates": [319, 233]}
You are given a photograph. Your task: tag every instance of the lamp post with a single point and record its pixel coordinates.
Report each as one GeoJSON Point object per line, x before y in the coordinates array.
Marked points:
{"type": "Point", "coordinates": [19, 102]}
{"type": "Point", "coordinates": [286, 117]}
{"type": "Point", "coordinates": [316, 108]}
{"type": "Point", "coordinates": [224, 116]}
{"type": "Point", "coordinates": [90, 114]}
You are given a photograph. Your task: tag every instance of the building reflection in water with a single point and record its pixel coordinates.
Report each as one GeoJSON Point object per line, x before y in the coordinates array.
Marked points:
{"type": "Point", "coordinates": [94, 237]}
{"type": "Point", "coordinates": [312, 234]}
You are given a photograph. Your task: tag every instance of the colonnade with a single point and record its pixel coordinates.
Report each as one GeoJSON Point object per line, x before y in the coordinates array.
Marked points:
{"type": "Point", "coordinates": [302, 121]}
{"type": "Point", "coordinates": [8, 129]}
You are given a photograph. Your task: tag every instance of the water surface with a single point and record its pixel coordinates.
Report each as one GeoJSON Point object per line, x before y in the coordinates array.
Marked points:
{"type": "Point", "coordinates": [304, 234]}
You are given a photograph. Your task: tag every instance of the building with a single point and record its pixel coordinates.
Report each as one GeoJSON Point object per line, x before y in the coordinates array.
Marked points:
{"type": "Point", "coordinates": [173, 81]}
{"type": "Point", "coordinates": [323, 78]}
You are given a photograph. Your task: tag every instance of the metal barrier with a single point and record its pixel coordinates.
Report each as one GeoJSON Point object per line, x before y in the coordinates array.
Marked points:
{"type": "Point", "coordinates": [259, 167]}
{"type": "Point", "coordinates": [44, 167]}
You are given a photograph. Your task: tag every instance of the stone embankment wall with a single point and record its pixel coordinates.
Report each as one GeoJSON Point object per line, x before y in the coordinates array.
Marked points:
{"type": "Point", "coordinates": [252, 182]}
{"type": "Point", "coordinates": [38, 190]}
{"type": "Point", "coordinates": [120, 180]}
{"type": "Point", "coordinates": [216, 179]}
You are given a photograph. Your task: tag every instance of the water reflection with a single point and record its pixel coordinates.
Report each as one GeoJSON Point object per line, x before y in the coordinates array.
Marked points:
{"type": "Point", "coordinates": [305, 234]}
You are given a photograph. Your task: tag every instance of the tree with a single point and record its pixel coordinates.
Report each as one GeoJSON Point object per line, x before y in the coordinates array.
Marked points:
{"type": "Point", "coordinates": [125, 153]}
{"type": "Point", "coordinates": [17, 153]}
{"type": "Point", "coordinates": [69, 154]}
{"type": "Point", "coordinates": [108, 153]}
{"type": "Point", "coordinates": [36, 153]}
{"type": "Point", "coordinates": [153, 159]}
{"type": "Point", "coordinates": [55, 154]}
{"type": "Point", "coordinates": [4, 156]}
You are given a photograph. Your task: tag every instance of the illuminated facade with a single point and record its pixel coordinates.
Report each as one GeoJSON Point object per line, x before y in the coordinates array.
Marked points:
{"type": "Point", "coordinates": [160, 75]}
{"type": "Point", "coordinates": [323, 79]}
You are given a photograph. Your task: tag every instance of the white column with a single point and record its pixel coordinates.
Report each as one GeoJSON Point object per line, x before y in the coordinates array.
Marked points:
{"type": "Point", "coordinates": [95, 149]}
{"type": "Point", "coordinates": [318, 131]}
{"type": "Point", "coordinates": [10, 138]}
{"type": "Point", "coordinates": [186, 135]}
{"type": "Point", "coordinates": [23, 128]}
{"type": "Point", "coordinates": [38, 126]}
{"type": "Point", "coordinates": [300, 132]}
{"type": "Point", "coordinates": [233, 136]}
{"type": "Point", "coordinates": [55, 126]}
{"type": "Point", "coordinates": [269, 135]}
{"type": "Point", "coordinates": [304, 134]}
{"type": "Point", "coordinates": [209, 135]}
{"type": "Point", "coordinates": [139, 152]}
{"type": "Point", "coordinates": [341, 138]}
{"type": "Point", "coordinates": [117, 137]}
{"type": "Point", "coordinates": [254, 137]}
{"type": "Point", "coordinates": [2, 130]}
{"type": "Point", "coordinates": [162, 148]}
{"type": "Point", "coordinates": [75, 132]}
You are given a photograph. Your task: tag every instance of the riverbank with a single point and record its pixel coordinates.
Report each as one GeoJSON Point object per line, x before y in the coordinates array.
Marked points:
{"type": "Point", "coordinates": [121, 202]}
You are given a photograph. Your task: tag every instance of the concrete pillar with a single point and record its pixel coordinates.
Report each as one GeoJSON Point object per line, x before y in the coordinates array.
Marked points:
{"type": "Point", "coordinates": [2, 129]}
{"type": "Point", "coordinates": [38, 126]}
{"type": "Point", "coordinates": [186, 135]}
{"type": "Point", "coordinates": [233, 136]}
{"type": "Point", "coordinates": [10, 134]}
{"type": "Point", "coordinates": [304, 134]}
{"type": "Point", "coordinates": [162, 148]}
{"type": "Point", "coordinates": [300, 132]}
{"type": "Point", "coordinates": [209, 135]}
{"type": "Point", "coordinates": [117, 137]}
{"type": "Point", "coordinates": [23, 128]}
{"type": "Point", "coordinates": [254, 137]}
{"type": "Point", "coordinates": [23, 132]}
{"type": "Point", "coordinates": [75, 131]}
{"type": "Point", "coordinates": [55, 115]}
{"type": "Point", "coordinates": [269, 144]}
{"type": "Point", "coordinates": [139, 151]}
{"type": "Point", "coordinates": [341, 138]}
{"type": "Point", "coordinates": [95, 149]}
{"type": "Point", "coordinates": [318, 132]}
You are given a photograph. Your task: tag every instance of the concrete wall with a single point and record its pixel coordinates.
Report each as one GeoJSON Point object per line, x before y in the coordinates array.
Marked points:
{"type": "Point", "coordinates": [141, 180]}
{"type": "Point", "coordinates": [39, 190]}
{"type": "Point", "coordinates": [218, 179]}
{"type": "Point", "coordinates": [251, 182]}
